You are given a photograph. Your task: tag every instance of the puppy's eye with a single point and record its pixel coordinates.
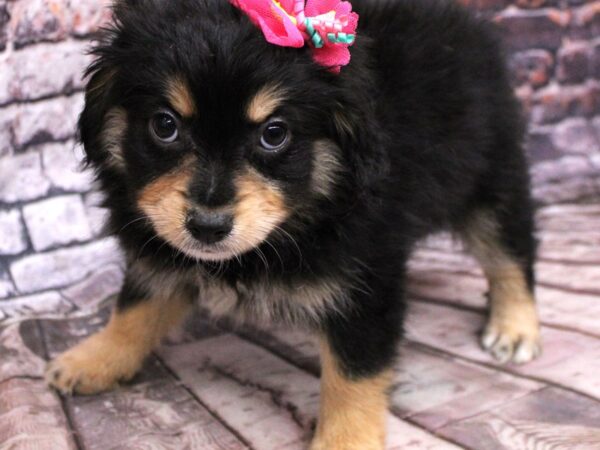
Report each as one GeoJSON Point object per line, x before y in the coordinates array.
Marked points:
{"type": "Point", "coordinates": [163, 126]}
{"type": "Point", "coordinates": [275, 136]}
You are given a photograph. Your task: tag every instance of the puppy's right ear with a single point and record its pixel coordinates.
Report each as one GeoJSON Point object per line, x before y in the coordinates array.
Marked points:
{"type": "Point", "coordinates": [102, 122]}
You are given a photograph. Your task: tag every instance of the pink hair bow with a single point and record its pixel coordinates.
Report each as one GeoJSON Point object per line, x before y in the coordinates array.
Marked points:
{"type": "Point", "coordinates": [329, 26]}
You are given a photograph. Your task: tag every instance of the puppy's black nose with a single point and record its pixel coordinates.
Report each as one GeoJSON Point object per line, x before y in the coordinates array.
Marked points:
{"type": "Point", "coordinates": [209, 227]}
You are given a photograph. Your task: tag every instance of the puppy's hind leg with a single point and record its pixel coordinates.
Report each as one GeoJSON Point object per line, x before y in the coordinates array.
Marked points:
{"type": "Point", "coordinates": [503, 242]}
{"type": "Point", "coordinates": [117, 352]}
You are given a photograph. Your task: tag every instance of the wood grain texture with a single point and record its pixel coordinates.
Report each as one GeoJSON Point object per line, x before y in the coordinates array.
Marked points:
{"type": "Point", "coordinates": [153, 411]}
{"type": "Point", "coordinates": [31, 417]}
{"type": "Point", "coordinates": [571, 359]}
{"type": "Point", "coordinates": [271, 402]}
{"type": "Point", "coordinates": [547, 419]}
{"type": "Point", "coordinates": [429, 389]}
{"type": "Point", "coordinates": [16, 358]}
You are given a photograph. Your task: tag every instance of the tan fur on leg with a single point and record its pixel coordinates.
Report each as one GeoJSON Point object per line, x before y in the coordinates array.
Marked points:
{"type": "Point", "coordinates": [353, 412]}
{"type": "Point", "coordinates": [117, 352]}
{"type": "Point", "coordinates": [512, 332]}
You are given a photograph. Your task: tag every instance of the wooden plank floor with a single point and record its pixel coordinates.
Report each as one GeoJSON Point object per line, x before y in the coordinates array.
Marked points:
{"type": "Point", "coordinates": [213, 387]}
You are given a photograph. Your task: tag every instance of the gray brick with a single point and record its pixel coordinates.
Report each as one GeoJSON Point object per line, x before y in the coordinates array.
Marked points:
{"type": "Point", "coordinates": [596, 125]}
{"type": "Point", "coordinates": [56, 221]}
{"type": "Point", "coordinates": [539, 144]}
{"type": "Point", "coordinates": [12, 233]}
{"type": "Point", "coordinates": [62, 166]}
{"type": "Point", "coordinates": [567, 190]}
{"type": "Point", "coordinates": [6, 147]}
{"type": "Point", "coordinates": [101, 285]}
{"type": "Point", "coordinates": [574, 135]}
{"type": "Point", "coordinates": [21, 77]}
{"type": "Point", "coordinates": [63, 267]}
{"type": "Point", "coordinates": [97, 214]}
{"type": "Point", "coordinates": [7, 289]}
{"type": "Point", "coordinates": [49, 120]}
{"type": "Point", "coordinates": [595, 161]}
{"type": "Point", "coordinates": [21, 178]}
{"type": "Point", "coordinates": [572, 166]}
{"type": "Point", "coordinates": [568, 179]}
{"type": "Point", "coordinates": [4, 19]}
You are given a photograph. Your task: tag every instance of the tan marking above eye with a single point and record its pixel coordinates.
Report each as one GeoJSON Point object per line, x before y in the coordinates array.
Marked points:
{"type": "Point", "coordinates": [264, 103]}
{"type": "Point", "coordinates": [180, 96]}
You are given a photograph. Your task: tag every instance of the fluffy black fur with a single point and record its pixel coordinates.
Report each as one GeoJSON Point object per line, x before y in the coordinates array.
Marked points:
{"type": "Point", "coordinates": [432, 135]}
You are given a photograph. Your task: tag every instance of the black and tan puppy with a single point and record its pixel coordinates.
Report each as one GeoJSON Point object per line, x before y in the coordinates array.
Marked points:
{"type": "Point", "coordinates": [247, 178]}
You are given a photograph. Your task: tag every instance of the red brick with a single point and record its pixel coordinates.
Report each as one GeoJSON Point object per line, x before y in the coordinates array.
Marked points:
{"type": "Point", "coordinates": [586, 21]}
{"type": "Point", "coordinates": [596, 125]}
{"type": "Point", "coordinates": [573, 62]}
{"type": "Point", "coordinates": [87, 16]}
{"type": "Point", "coordinates": [595, 60]}
{"type": "Point", "coordinates": [38, 20]}
{"type": "Point", "coordinates": [554, 103]}
{"type": "Point", "coordinates": [533, 67]}
{"type": "Point", "coordinates": [532, 4]}
{"type": "Point", "coordinates": [485, 5]}
{"type": "Point", "coordinates": [542, 28]}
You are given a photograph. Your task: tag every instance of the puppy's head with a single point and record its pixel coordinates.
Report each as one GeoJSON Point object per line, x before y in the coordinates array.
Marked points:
{"type": "Point", "coordinates": [207, 134]}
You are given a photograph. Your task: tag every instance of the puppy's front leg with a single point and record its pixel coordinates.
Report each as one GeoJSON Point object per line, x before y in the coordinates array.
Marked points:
{"type": "Point", "coordinates": [117, 352]}
{"type": "Point", "coordinates": [356, 357]}
{"type": "Point", "coordinates": [353, 411]}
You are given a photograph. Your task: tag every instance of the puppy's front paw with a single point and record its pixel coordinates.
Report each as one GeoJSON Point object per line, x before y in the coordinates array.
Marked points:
{"type": "Point", "coordinates": [513, 339]}
{"type": "Point", "coordinates": [93, 366]}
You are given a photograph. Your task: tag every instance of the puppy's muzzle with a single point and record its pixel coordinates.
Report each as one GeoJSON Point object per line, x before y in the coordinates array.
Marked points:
{"type": "Point", "coordinates": [209, 227]}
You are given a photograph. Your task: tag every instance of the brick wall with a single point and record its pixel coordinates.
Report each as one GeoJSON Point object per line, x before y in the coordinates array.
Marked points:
{"type": "Point", "coordinates": [50, 224]}
{"type": "Point", "coordinates": [554, 56]}
{"type": "Point", "coordinates": [49, 220]}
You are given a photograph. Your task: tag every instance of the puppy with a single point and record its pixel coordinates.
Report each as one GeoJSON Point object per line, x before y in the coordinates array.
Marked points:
{"type": "Point", "coordinates": [258, 182]}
